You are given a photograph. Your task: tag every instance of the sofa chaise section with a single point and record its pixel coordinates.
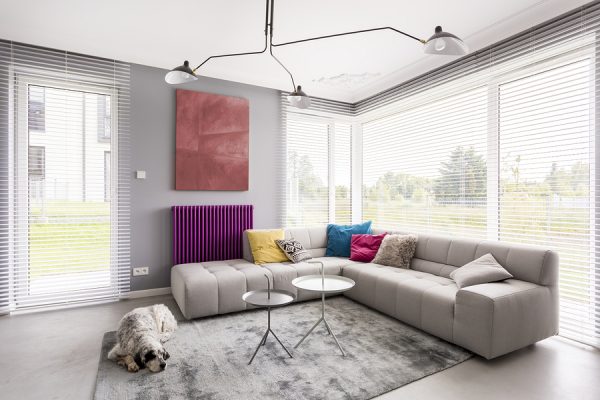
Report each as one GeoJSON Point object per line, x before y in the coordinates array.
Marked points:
{"type": "Point", "coordinates": [489, 319]}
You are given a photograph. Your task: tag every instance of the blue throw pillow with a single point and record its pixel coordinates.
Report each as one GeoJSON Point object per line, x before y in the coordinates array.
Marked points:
{"type": "Point", "coordinates": [339, 237]}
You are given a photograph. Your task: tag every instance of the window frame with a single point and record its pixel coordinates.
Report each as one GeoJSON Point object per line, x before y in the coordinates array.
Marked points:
{"type": "Point", "coordinates": [330, 121]}
{"type": "Point", "coordinates": [22, 78]}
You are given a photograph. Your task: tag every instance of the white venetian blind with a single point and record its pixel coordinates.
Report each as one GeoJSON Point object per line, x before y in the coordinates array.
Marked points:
{"type": "Point", "coordinates": [342, 166]}
{"type": "Point", "coordinates": [546, 153]}
{"type": "Point", "coordinates": [307, 171]}
{"type": "Point", "coordinates": [424, 166]}
{"type": "Point", "coordinates": [317, 148]}
{"type": "Point", "coordinates": [64, 177]}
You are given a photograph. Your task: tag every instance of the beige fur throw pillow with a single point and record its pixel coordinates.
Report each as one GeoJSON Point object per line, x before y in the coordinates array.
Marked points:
{"type": "Point", "coordinates": [396, 251]}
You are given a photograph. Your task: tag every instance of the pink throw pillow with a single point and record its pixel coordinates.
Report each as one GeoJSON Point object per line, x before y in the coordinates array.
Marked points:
{"type": "Point", "coordinates": [364, 247]}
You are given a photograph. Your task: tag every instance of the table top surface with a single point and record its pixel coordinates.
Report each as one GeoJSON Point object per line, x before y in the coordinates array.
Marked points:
{"type": "Point", "coordinates": [324, 283]}
{"type": "Point", "coordinates": [261, 298]}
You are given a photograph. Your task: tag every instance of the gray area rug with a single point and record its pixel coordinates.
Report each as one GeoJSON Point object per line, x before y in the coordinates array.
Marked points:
{"type": "Point", "coordinates": [209, 357]}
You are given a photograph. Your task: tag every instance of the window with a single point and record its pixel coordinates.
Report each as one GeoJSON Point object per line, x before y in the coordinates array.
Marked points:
{"type": "Point", "coordinates": [307, 171]}
{"type": "Point", "coordinates": [65, 201]}
{"type": "Point", "coordinates": [318, 171]}
{"type": "Point", "coordinates": [36, 109]}
{"type": "Point", "coordinates": [424, 167]}
{"type": "Point", "coordinates": [37, 162]}
{"type": "Point", "coordinates": [546, 138]}
{"type": "Point", "coordinates": [342, 167]}
{"type": "Point", "coordinates": [107, 176]}
{"type": "Point", "coordinates": [66, 253]}
{"type": "Point", "coordinates": [104, 117]}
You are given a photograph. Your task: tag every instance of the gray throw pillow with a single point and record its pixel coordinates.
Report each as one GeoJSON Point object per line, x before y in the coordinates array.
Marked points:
{"type": "Point", "coordinates": [483, 270]}
{"type": "Point", "coordinates": [293, 250]}
{"type": "Point", "coordinates": [396, 251]}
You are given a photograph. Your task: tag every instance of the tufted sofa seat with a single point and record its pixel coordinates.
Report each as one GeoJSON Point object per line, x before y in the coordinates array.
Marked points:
{"type": "Point", "coordinates": [489, 319]}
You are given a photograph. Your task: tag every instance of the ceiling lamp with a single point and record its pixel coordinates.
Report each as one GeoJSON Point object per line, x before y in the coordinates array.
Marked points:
{"type": "Point", "coordinates": [445, 43]}
{"type": "Point", "coordinates": [298, 98]}
{"type": "Point", "coordinates": [441, 42]}
{"type": "Point", "coordinates": [181, 74]}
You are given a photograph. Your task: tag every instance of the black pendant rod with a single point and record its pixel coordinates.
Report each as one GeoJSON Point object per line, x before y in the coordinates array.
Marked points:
{"type": "Point", "coordinates": [271, 47]}
{"type": "Point", "coordinates": [246, 53]}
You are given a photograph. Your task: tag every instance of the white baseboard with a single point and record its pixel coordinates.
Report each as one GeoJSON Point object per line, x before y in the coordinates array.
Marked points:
{"type": "Point", "coordinates": [136, 294]}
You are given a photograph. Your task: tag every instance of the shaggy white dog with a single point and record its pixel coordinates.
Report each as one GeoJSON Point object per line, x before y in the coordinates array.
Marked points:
{"type": "Point", "coordinates": [140, 337]}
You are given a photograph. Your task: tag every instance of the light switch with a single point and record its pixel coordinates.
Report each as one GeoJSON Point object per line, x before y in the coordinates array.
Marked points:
{"type": "Point", "coordinates": [140, 174]}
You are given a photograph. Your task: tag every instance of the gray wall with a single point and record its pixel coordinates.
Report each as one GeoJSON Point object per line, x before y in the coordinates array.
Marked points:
{"type": "Point", "coordinates": [153, 150]}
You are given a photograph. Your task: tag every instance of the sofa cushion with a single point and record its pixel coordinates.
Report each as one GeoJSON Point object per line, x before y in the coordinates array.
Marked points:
{"type": "Point", "coordinates": [339, 237]}
{"type": "Point", "coordinates": [364, 247]}
{"type": "Point", "coordinates": [284, 273]}
{"type": "Point", "coordinates": [209, 288]}
{"type": "Point", "coordinates": [437, 310]}
{"type": "Point", "coordinates": [396, 251]}
{"type": "Point", "coordinates": [421, 299]}
{"type": "Point", "coordinates": [431, 267]}
{"type": "Point", "coordinates": [293, 250]}
{"type": "Point", "coordinates": [263, 246]}
{"type": "Point", "coordinates": [483, 270]}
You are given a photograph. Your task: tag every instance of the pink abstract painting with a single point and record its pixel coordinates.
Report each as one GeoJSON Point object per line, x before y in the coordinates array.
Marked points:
{"type": "Point", "coordinates": [211, 142]}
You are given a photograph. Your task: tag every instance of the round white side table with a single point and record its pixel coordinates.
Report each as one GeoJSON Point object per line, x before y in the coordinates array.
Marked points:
{"type": "Point", "coordinates": [324, 284]}
{"type": "Point", "coordinates": [269, 298]}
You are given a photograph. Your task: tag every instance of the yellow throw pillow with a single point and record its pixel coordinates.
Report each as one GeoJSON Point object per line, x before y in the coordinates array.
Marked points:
{"type": "Point", "coordinates": [263, 246]}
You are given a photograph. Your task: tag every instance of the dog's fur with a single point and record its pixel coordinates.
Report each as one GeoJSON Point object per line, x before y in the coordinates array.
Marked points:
{"type": "Point", "coordinates": [140, 337]}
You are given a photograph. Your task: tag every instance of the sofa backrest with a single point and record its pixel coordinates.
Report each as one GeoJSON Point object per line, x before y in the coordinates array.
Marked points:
{"type": "Point", "coordinates": [313, 239]}
{"type": "Point", "coordinates": [440, 255]}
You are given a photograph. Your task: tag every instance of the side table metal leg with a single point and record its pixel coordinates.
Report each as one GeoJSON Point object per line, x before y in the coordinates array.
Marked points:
{"type": "Point", "coordinates": [286, 350]}
{"type": "Point", "coordinates": [309, 332]}
{"type": "Point", "coordinates": [329, 331]}
{"type": "Point", "coordinates": [264, 339]}
{"type": "Point", "coordinates": [334, 338]}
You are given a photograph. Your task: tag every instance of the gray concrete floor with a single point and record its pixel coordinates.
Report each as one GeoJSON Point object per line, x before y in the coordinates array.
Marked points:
{"type": "Point", "coordinates": [54, 355]}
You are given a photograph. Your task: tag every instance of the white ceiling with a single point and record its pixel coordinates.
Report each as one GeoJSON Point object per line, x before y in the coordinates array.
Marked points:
{"type": "Point", "coordinates": [164, 33]}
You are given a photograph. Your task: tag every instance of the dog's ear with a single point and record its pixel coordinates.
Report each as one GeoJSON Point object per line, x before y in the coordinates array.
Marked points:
{"type": "Point", "coordinates": [138, 360]}
{"type": "Point", "coordinates": [166, 355]}
{"type": "Point", "coordinates": [150, 355]}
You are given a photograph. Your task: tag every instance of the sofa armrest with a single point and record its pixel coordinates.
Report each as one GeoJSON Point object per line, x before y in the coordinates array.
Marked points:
{"type": "Point", "coordinates": [496, 318]}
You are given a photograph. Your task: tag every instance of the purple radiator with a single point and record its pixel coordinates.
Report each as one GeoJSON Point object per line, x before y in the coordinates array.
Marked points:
{"type": "Point", "coordinates": [209, 233]}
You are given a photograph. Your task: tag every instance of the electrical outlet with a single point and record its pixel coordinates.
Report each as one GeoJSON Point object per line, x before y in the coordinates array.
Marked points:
{"type": "Point", "coordinates": [141, 271]}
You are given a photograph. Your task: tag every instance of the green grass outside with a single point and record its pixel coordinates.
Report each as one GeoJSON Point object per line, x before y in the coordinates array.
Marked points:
{"type": "Point", "coordinates": [66, 237]}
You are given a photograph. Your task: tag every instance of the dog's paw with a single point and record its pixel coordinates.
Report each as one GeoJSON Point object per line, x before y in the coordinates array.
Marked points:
{"type": "Point", "coordinates": [133, 367]}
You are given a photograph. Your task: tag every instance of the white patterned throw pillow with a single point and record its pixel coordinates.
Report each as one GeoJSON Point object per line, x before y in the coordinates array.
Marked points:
{"type": "Point", "coordinates": [293, 250]}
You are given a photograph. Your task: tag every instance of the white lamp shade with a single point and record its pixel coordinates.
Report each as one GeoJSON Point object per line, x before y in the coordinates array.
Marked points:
{"type": "Point", "coordinates": [181, 74]}
{"type": "Point", "coordinates": [299, 99]}
{"type": "Point", "coordinates": [445, 43]}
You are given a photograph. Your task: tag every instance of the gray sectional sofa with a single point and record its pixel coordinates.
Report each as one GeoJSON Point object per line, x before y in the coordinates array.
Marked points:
{"type": "Point", "coordinates": [489, 319]}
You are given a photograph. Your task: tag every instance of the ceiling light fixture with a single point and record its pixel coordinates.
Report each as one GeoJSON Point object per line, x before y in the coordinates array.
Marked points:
{"type": "Point", "coordinates": [442, 43]}
{"type": "Point", "coordinates": [445, 43]}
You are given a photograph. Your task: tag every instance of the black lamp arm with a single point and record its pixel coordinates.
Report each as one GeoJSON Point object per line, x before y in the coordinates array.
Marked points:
{"type": "Point", "coordinates": [283, 66]}
{"type": "Point", "coordinates": [233, 54]}
{"type": "Point", "coordinates": [349, 33]}
{"type": "Point", "coordinates": [250, 52]}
